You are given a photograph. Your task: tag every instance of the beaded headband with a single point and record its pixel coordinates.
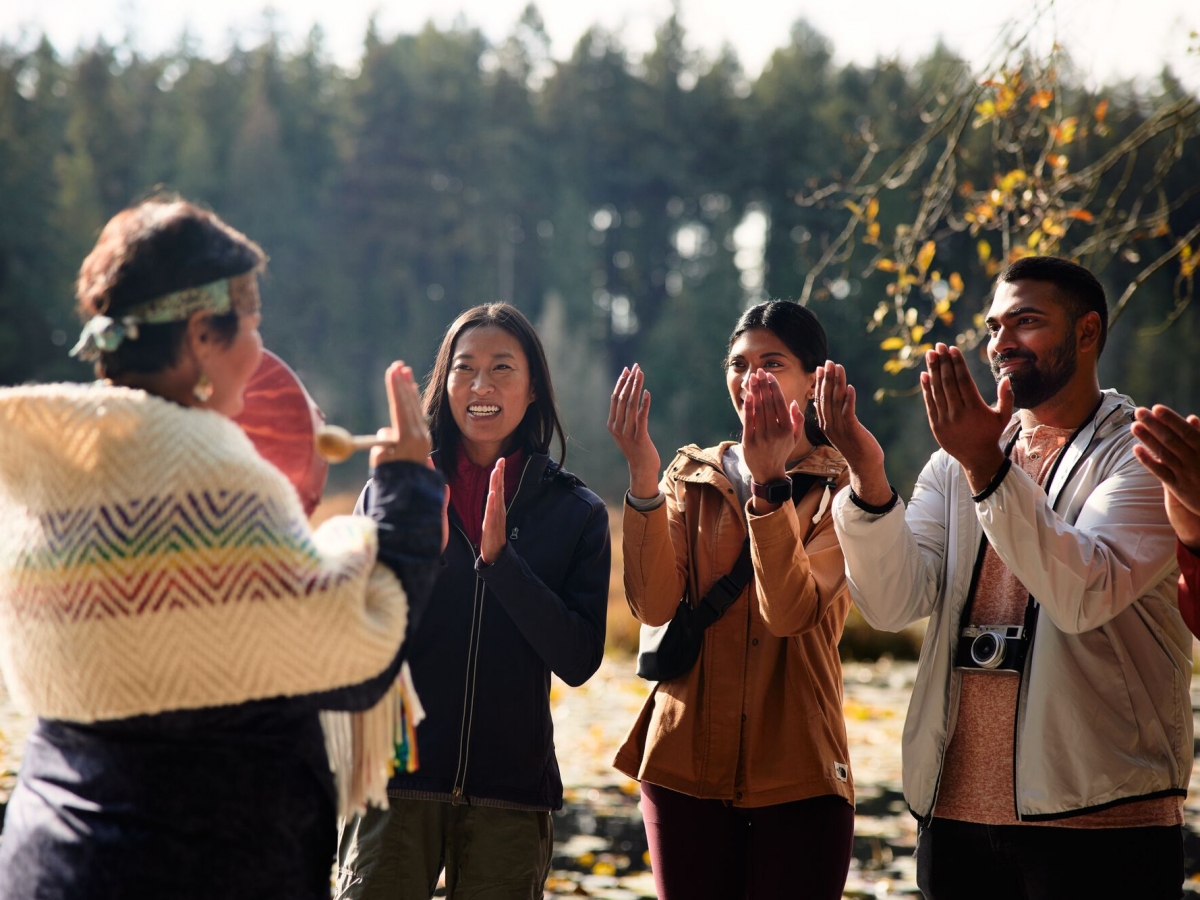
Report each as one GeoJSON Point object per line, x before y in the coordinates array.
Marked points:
{"type": "Point", "coordinates": [103, 334]}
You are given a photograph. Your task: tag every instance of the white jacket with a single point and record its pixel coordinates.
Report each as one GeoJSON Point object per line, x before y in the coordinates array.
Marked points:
{"type": "Point", "coordinates": [1104, 712]}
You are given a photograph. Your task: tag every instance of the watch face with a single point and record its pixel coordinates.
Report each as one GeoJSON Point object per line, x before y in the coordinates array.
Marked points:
{"type": "Point", "coordinates": [773, 491]}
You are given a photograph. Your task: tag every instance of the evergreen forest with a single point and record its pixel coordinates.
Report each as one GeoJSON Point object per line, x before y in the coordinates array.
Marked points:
{"type": "Point", "coordinates": [631, 204]}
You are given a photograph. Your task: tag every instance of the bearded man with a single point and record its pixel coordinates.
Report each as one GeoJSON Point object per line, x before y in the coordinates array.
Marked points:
{"type": "Point", "coordinates": [1048, 744]}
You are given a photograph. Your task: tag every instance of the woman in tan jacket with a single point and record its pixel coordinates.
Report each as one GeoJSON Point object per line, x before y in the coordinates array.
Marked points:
{"type": "Point", "coordinates": [743, 760]}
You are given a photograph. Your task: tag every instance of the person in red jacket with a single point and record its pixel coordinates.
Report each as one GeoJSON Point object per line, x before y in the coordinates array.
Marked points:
{"type": "Point", "coordinates": [1170, 449]}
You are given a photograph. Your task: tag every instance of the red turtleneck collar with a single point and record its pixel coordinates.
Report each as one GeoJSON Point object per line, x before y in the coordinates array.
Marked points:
{"type": "Point", "coordinates": [469, 488]}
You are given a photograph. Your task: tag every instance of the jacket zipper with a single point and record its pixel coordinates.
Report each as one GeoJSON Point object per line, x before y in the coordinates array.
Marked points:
{"type": "Point", "coordinates": [1030, 634]}
{"type": "Point", "coordinates": [468, 716]}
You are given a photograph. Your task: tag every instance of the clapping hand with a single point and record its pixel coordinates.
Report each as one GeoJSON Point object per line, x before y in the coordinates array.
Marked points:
{"type": "Point", "coordinates": [628, 417]}
{"type": "Point", "coordinates": [1170, 449]}
{"type": "Point", "coordinates": [771, 427]}
{"type": "Point", "coordinates": [408, 436]}
{"type": "Point", "coordinates": [960, 419]}
{"type": "Point", "coordinates": [838, 418]}
{"type": "Point", "coordinates": [493, 540]}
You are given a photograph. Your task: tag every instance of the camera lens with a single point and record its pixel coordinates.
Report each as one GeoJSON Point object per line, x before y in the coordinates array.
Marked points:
{"type": "Point", "coordinates": [987, 650]}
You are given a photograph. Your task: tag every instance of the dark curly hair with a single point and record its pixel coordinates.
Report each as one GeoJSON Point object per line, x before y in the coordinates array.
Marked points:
{"type": "Point", "coordinates": [157, 247]}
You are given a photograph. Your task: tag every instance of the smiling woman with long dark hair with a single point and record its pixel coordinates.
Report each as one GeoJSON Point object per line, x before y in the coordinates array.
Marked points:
{"type": "Point", "coordinates": [523, 594]}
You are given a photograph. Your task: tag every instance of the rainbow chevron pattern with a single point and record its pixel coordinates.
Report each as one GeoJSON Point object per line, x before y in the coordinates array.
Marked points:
{"type": "Point", "coordinates": [150, 560]}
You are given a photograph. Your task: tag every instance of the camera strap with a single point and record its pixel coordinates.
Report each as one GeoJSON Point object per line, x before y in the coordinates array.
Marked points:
{"type": "Point", "coordinates": [965, 617]}
{"type": "Point", "coordinates": [1032, 606]}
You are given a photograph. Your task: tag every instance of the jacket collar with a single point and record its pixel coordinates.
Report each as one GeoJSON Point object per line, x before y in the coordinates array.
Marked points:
{"type": "Point", "coordinates": [537, 468]}
{"type": "Point", "coordinates": [1113, 415]}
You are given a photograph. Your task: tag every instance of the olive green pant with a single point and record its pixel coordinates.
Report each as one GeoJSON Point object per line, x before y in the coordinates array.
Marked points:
{"type": "Point", "coordinates": [488, 853]}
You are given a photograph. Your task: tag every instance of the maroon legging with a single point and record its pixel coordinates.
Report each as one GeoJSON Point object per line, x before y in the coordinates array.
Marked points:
{"type": "Point", "coordinates": [709, 850]}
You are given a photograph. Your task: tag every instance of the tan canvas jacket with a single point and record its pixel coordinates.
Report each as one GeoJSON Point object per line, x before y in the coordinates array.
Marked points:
{"type": "Point", "coordinates": [758, 720]}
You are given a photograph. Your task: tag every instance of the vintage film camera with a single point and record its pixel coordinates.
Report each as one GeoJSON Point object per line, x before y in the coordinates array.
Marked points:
{"type": "Point", "coordinates": [992, 648]}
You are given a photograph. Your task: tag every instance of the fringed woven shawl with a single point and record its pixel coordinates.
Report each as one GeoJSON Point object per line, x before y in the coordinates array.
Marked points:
{"type": "Point", "coordinates": [151, 560]}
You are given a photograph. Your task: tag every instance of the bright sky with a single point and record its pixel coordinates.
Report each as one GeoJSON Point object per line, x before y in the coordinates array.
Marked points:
{"type": "Point", "coordinates": [1109, 39]}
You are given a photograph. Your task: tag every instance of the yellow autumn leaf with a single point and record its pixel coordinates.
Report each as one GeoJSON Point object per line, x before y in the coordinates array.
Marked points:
{"type": "Point", "coordinates": [985, 251]}
{"type": "Point", "coordinates": [956, 282]}
{"type": "Point", "coordinates": [872, 209]}
{"type": "Point", "coordinates": [918, 332]}
{"type": "Point", "coordinates": [925, 256]}
{"type": "Point", "coordinates": [1014, 178]}
{"type": "Point", "coordinates": [1035, 238]}
{"type": "Point", "coordinates": [886, 265]}
{"type": "Point", "coordinates": [892, 343]}
{"type": "Point", "coordinates": [985, 211]}
{"type": "Point", "coordinates": [986, 110]}
{"type": "Point", "coordinates": [946, 318]}
{"type": "Point", "coordinates": [853, 207]}
{"type": "Point", "coordinates": [604, 868]}
{"type": "Point", "coordinates": [893, 367]}
{"type": "Point", "coordinates": [1041, 99]}
{"type": "Point", "coordinates": [1064, 132]}
{"type": "Point", "coordinates": [1005, 98]}
{"type": "Point", "coordinates": [872, 236]}
{"type": "Point", "coordinates": [941, 308]}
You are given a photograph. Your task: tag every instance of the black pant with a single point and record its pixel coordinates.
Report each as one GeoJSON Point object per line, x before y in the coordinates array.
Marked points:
{"type": "Point", "coordinates": [966, 861]}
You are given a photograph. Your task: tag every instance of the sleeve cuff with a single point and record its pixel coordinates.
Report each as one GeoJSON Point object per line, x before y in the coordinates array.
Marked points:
{"type": "Point", "coordinates": [645, 504]}
{"type": "Point", "coordinates": [875, 510]}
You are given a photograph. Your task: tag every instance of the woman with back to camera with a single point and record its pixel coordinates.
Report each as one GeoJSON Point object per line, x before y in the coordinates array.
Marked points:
{"type": "Point", "coordinates": [166, 610]}
{"type": "Point", "coordinates": [524, 593]}
{"type": "Point", "coordinates": [743, 760]}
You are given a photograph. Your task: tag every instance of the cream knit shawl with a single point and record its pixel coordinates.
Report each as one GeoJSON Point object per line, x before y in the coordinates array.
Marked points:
{"type": "Point", "coordinates": [151, 560]}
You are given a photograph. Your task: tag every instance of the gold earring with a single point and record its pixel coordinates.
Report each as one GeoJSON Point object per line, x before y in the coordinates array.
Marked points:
{"type": "Point", "coordinates": [203, 389]}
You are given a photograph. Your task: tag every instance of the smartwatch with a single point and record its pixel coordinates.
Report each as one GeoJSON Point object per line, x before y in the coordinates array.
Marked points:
{"type": "Point", "coordinates": [777, 491]}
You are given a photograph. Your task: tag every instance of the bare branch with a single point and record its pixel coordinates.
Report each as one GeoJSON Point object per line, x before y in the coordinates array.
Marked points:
{"type": "Point", "coordinates": [1150, 270]}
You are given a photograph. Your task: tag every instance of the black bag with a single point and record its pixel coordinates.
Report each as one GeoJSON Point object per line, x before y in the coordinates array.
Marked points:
{"type": "Point", "coordinates": [670, 650]}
